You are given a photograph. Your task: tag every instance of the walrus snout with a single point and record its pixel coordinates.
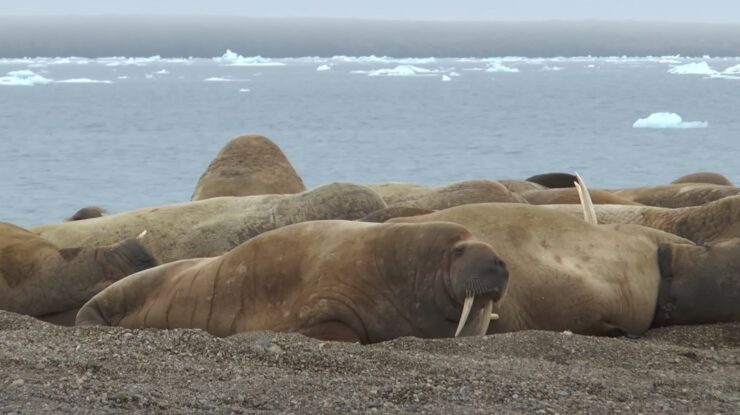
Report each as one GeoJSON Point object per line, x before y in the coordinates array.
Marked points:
{"type": "Point", "coordinates": [130, 256]}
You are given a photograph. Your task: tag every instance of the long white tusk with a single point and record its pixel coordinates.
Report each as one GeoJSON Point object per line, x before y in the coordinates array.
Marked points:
{"type": "Point", "coordinates": [141, 235]}
{"type": "Point", "coordinates": [483, 321]}
{"type": "Point", "coordinates": [494, 316]}
{"type": "Point", "coordinates": [465, 314]}
{"type": "Point", "coordinates": [589, 212]}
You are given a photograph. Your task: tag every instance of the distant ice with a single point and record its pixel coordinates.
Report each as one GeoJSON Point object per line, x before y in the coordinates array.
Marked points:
{"type": "Point", "coordinates": [693, 68]}
{"type": "Point", "coordinates": [551, 68]}
{"type": "Point", "coordinates": [383, 59]}
{"type": "Point", "coordinates": [244, 90]}
{"type": "Point", "coordinates": [149, 76]}
{"type": "Point", "coordinates": [217, 79]}
{"type": "Point", "coordinates": [732, 70]}
{"type": "Point", "coordinates": [123, 61]}
{"type": "Point", "coordinates": [454, 74]}
{"type": "Point", "coordinates": [23, 77]}
{"type": "Point", "coordinates": [122, 77]}
{"type": "Point", "coordinates": [323, 68]}
{"type": "Point", "coordinates": [667, 120]}
{"type": "Point", "coordinates": [234, 59]}
{"type": "Point", "coordinates": [162, 72]}
{"type": "Point", "coordinates": [500, 67]}
{"type": "Point", "coordinates": [84, 81]}
{"type": "Point", "coordinates": [400, 70]}
{"type": "Point", "coordinates": [446, 78]}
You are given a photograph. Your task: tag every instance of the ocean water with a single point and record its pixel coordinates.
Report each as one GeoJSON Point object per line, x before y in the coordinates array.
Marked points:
{"type": "Point", "coordinates": [144, 138]}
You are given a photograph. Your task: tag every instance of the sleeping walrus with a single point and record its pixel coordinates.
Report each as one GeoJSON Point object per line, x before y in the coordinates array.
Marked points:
{"type": "Point", "coordinates": [455, 194]}
{"type": "Point", "coordinates": [704, 177]}
{"type": "Point", "coordinates": [39, 279]}
{"type": "Point", "coordinates": [335, 280]}
{"type": "Point", "coordinates": [567, 274]}
{"type": "Point", "coordinates": [677, 195]}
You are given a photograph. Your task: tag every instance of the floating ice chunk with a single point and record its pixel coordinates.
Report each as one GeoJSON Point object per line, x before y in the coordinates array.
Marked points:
{"type": "Point", "coordinates": [401, 70]}
{"type": "Point", "coordinates": [244, 90]}
{"type": "Point", "coordinates": [23, 78]}
{"type": "Point", "coordinates": [693, 68]}
{"type": "Point", "coordinates": [84, 81]}
{"type": "Point", "coordinates": [446, 78]}
{"type": "Point", "coordinates": [732, 70]}
{"type": "Point", "coordinates": [323, 68]}
{"type": "Point", "coordinates": [217, 79]}
{"type": "Point", "coordinates": [551, 68]}
{"type": "Point", "coordinates": [591, 66]}
{"type": "Point", "coordinates": [162, 72]}
{"type": "Point", "coordinates": [500, 67]}
{"type": "Point", "coordinates": [667, 120]}
{"type": "Point", "coordinates": [454, 74]}
{"type": "Point", "coordinates": [122, 77]}
{"type": "Point", "coordinates": [234, 59]}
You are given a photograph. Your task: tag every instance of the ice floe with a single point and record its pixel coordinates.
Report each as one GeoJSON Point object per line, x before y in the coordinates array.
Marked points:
{"type": "Point", "coordinates": [551, 68]}
{"type": "Point", "coordinates": [244, 90]}
{"type": "Point", "coordinates": [383, 59]}
{"type": "Point", "coordinates": [234, 59]}
{"type": "Point", "coordinates": [693, 68]}
{"type": "Point", "coordinates": [732, 70]}
{"type": "Point", "coordinates": [500, 67]}
{"type": "Point", "coordinates": [446, 78]}
{"type": "Point", "coordinates": [454, 74]}
{"type": "Point", "coordinates": [400, 70]}
{"type": "Point", "coordinates": [162, 72]}
{"type": "Point", "coordinates": [23, 77]}
{"type": "Point", "coordinates": [84, 81]}
{"type": "Point", "coordinates": [323, 68]}
{"type": "Point", "coordinates": [667, 120]}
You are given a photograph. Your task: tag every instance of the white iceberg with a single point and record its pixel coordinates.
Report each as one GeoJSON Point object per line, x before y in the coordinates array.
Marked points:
{"type": "Point", "coordinates": [446, 78]}
{"type": "Point", "coordinates": [667, 120]}
{"type": "Point", "coordinates": [162, 72]}
{"type": "Point", "coordinates": [234, 59]}
{"type": "Point", "coordinates": [23, 78]}
{"type": "Point", "coordinates": [217, 79]}
{"type": "Point", "coordinates": [323, 68]}
{"type": "Point", "coordinates": [400, 70]}
{"type": "Point", "coordinates": [500, 67]}
{"type": "Point", "coordinates": [84, 81]}
{"type": "Point", "coordinates": [693, 68]}
{"type": "Point", "coordinates": [732, 70]}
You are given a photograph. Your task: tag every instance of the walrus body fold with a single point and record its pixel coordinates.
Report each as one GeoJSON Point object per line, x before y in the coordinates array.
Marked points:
{"type": "Point", "coordinates": [335, 280]}
{"type": "Point", "coordinates": [677, 195]}
{"type": "Point", "coordinates": [213, 226]}
{"type": "Point", "coordinates": [455, 194]}
{"type": "Point", "coordinates": [37, 278]}
{"type": "Point", "coordinates": [566, 274]}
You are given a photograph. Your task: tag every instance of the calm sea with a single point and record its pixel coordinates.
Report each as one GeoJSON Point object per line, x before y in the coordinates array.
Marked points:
{"type": "Point", "coordinates": [145, 137]}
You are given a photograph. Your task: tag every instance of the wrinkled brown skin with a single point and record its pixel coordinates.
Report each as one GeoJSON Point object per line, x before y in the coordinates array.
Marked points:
{"type": "Point", "coordinates": [520, 186]}
{"type": "Point", "coordinates": [383, 215]}
{"type": "Point", "coordinates": [566, 274]}
{"type": "Point", "coordinates": [334, 280]}
{"type": "Point", "coordinates": [87, 213]}
{"type": "Point", "coordinates": [38, 279]}
{"type": "Point", "coordinates": [211, 227]}
{"type": "Point", "coordinates": [554, 180]}
{"type": "Point", "coordinates": [704, 177]}
{"type": "Point", "coordinates": [435, 198]}
{"type": "Point", "coordinates": [714, 221]}
{"type": "Point", "coordinates": [570, 196]}
{"type": "Point", "coordinates": [248, 165]}
{"type": "Point", "coordinates": [677, 195]}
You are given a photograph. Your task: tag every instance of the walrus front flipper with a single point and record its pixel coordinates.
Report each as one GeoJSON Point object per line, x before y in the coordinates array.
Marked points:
{"type": "Point", "coordinates": [699, 284]}
{"type": "Point", "coordinates": [384, 215]}
{"type": "Point", "coordinates": [554, 180]}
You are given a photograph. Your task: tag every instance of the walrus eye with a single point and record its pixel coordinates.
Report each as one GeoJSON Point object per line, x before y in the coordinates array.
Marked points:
{"type": "Point", "coordinates": [458, 251]}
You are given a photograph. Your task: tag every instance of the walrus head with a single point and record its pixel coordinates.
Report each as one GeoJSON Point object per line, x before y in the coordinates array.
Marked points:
{"type": "Point", "coordinates": [700, 284]}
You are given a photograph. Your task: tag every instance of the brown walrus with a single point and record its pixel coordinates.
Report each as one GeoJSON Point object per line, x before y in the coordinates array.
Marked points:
{"type": "Point", "coordinates": [335, 280]}
{"type": "Point", "coordinates": [442, 197]}
{"type": "Point", "coordinates": [520, 186]}
{"type": "Point", "coordinates": [39, 279]}
{"type": "Point", "coordinates": [704, 177]}
{"type": "Point", "coordinates": [677, 195]}
{"type": "Point", "coordinates": [566, 274]}
{"type": "Point", "coordinates": [248, 165]}
{"type": "Point", "coordinates": [88, 212]}
{"type": "Point", "coordinates": [213, 226]}
{"type": "Point", "coordinates": [570, 196]}
{"type": "Point", "coordinates": [714, 221]}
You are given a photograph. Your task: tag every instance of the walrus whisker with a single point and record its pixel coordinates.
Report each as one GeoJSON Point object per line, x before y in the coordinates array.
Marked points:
{"type": "Point", "coordinates": [465, 314]}
{"type": "Point", "coordinates": [589, 212]}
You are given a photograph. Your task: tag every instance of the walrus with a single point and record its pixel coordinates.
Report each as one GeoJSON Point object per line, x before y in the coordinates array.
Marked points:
{"type": "Point", "coordinates": [442, 197]}
{"type": "Point", "coordinates": [332, 280]}
{"type": "Point", "coordinates": [553, 180]}
{"type": "Point", "coordinates": [714, 221]}
{"type": "Point", "coordinates": [520, 186]}
{"type": "Point", "coordinates": [677, 195]}
{"type": "Point", "coordinates": [213, 226]}
{"type": "Point", "coordinates": [383, 215]}
{"type": "Point", "coordinates": [88, 212]}
{"type": "Point", "coordinates": [704, 177]}
{"type": "Point", "coordinates": [248, 165]}
{"type": "Point", "coordinates": [39, 279]}
{"type": "Point", "coordinates": [566, 274]}
{"type": "Point", "coordinates": [570, 196]}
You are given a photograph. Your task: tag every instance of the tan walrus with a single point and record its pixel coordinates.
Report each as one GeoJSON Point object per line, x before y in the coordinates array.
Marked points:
{"type": "Point", "coordinates": [39, 279]}
{"type": "Point", "coordinates": [248, 165]}
{"type": "Point", "coordinates": [566, 274]}
{"type": "Point", "coordinates": [704, 177]}
{"type": "Point", "coordinates": [213, 226]}
{"type": "Point", "coordinates": [455, 194]}
{"type": "Point", "coordinates": [335, 280]}
{"type": "Point", "coordinates": [570, 196]}
{"type": "Point", "coordinates": [677, 195]}
{"type": "Point", "coordinates": [714, 221]}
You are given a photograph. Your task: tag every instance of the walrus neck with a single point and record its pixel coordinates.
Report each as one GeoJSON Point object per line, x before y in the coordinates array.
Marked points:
{"type": "Point", "coordinates": [704, 223]}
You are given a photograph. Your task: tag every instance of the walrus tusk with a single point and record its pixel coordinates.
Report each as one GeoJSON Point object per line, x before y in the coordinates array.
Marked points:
{"type": "Point", "coordinates": [465, 314]}
{"type": "Point", "coordinates": [141, 235]}
{"type": "Point", "coordinates": [494, 316]}
{"type": "Point", "coordinates": [589, 212]}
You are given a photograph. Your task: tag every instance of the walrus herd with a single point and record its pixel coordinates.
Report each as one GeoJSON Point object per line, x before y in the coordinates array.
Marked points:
{"type": "Point", "coordinates": [255, 250]}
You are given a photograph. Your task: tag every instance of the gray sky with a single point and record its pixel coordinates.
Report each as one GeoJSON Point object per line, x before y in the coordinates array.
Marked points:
{"type": "Point", "coordinates": [725, 11]}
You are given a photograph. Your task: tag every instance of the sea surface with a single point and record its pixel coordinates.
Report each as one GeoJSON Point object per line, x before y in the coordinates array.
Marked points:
{"type": "Point", "coordinates": [144, 137]}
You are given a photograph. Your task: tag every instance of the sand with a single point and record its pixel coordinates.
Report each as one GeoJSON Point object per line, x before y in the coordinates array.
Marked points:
{"type": "Point", "coordinates": [45, 368]}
